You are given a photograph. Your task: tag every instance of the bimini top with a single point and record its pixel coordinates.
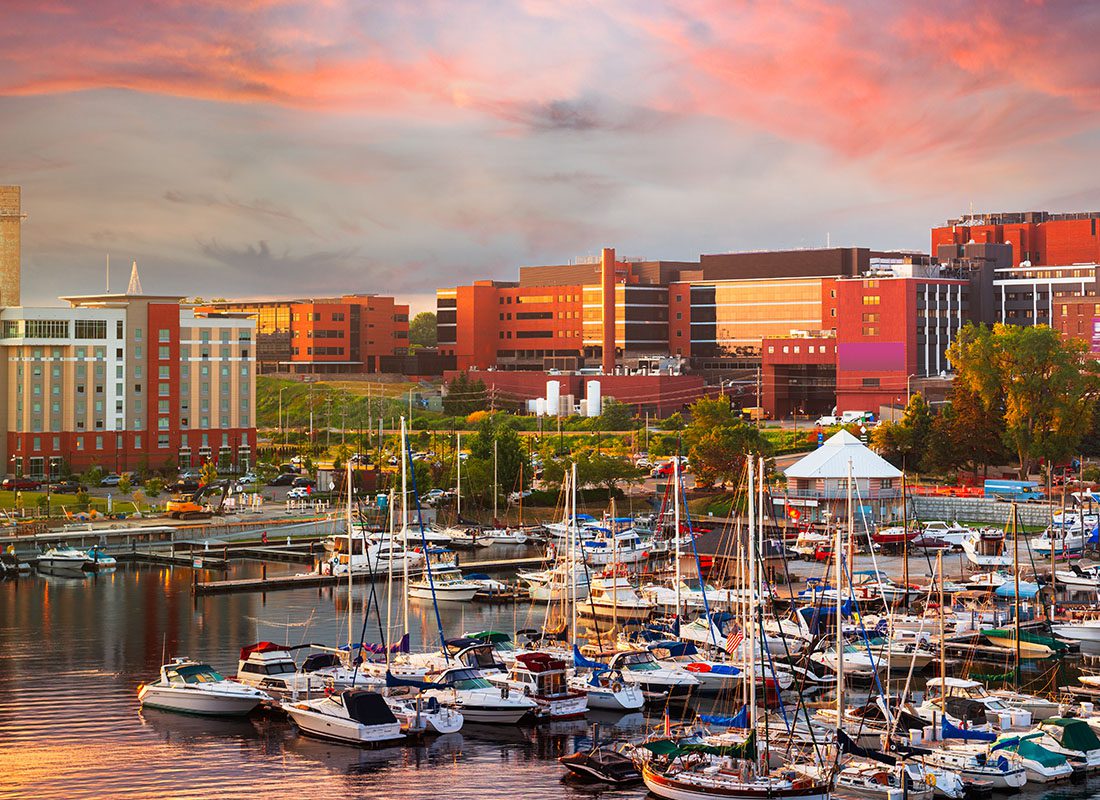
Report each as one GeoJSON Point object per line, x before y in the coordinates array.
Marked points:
{"type": "Point", "coordinates": [831, 461]}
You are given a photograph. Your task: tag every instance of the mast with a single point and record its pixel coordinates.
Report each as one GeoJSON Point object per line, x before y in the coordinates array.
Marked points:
{"type": "Point", "coordinates": [458, 486]}
{"type": "Point", "coordinates": [838, 556]}
{"type": "Point", "coordinates": [521, 465]}
{"type": "Point", "coordinates": [496, 486]}
{"type": "Point", "coordinates": [1081, 519]}
{"type": "Point", "coordinates": [404, 523]}
{"type": "Point", "coordinates": [349, 558]}
{"type": "Point", "coordinates": [750, 583]}
{"type": "Point", "coordinates": [573, 546]}
{"type": "Point", "coordinates": [676, 524]}
{"type": "Point", "coordinates": [615, 568]}
{"type": "Point", "coordinates": [943, 643]}
{"type": "Point", "coordinates": [1016, 578]}
{"type": "Point", "coordinates": [904, 543]}
{"type": "Point", "coordinates": [389, 579]}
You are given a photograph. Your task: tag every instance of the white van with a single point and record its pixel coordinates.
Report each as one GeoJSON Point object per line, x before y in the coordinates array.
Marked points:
{"type": "Point", "coordinates": [848, 417]}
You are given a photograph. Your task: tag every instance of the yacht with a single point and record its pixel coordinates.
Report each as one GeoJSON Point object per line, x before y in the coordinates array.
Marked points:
{"type": "Point", "coordinates": [418, 715]}
{"type": "Point", "coordinates": [994, 709]}
{"type": "Point", "coordinates": [555, 583]}
{"type": "Point", "coordinates": [354, 716]}
{"type": "Point", "coordinates": [618, 548]}
{"type": "Point", "coordinates": [445, 584]}
{"type": "Point", "coordinates": [193, 688]}
{"type": "Point", "coordinates": [607, 691]}
{"type": "Point", "coordinates": [878, 781]}
{"type": "Point", "coordinates": [973, 762]}
{"type": "Point", "coordinates": [1072, 738]}
{"type": "Point", "coordinates": [64, 557]}
{"type": "Point", "coordinates": [937, 535]}
{"type": "Point", "coordinates": [100, 560]}
{"type": "Point", "coordinates": [270, 667]}
{"type": "Point", "coordinates": [1065, 536]}
{"type": "Point", "coordinates": [505, 536]}
{"type": "Point", "coordinates": [616, 598]}
{"type": "Point", "coordinates": [1087, 579]}
{"type": "Point", "coordinates": [378, 559]}
{"type": "Point", "coordinates": [1042, 765]}
{"type": "Point", "coordinates": [543, 678]}
{"type": "Point", "coordinates": [657, 682]}
{"type": "Point", "coordinates": [468, 692]}
{"type": "Point", "coordinates": [1084, 631]}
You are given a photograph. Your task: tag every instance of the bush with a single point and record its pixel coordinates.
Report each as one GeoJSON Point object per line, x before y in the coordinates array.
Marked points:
{"type": "Point", "coordinates": [1091, 474]}
{"type": "Point", "coordinates": [154, 486]}
{"type": "Point", "coordinates": [82, 499]}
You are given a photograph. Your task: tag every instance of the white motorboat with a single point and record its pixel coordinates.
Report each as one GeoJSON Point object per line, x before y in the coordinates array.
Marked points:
{"type": "Point", "coordinates": [468, 537]}
{"type": "Point", "coordinates": [506, 536]}
{"type": "Point", "coordinates": [353, 716]}
{"type": "Point", "coordinates": [937, 534]}
{"type": "Point", "coordinates": [614, 598]}
{"type": "Point", "coordinates": [414, 537]}
{"type": "Point", "coordinates": [444, 584]}
{"type": "Point", "coordinates": [543, 678]}
{"type": "Point", "coordinates": [973, 763]}
{"type": "Point", "coordinates": [1087, 579]}
{"type": "Point", "coordinates": [468, 692]}
{"type": "Point", "coordinates": [378, 559]}
{"type": "Point", "coordinates": [1041, 708]}
{"type": "Point", "coordinates": [971, 546]}
{"type": "Point", "coordinates": [877, 781]}
{"type": "Point", "coordinates": [65, 558]}
{"type": "Point", "coordinates": [996, 710]}
{"type": "Point", "coordinates": [1072, 738]}
{"type": "Point", "coordinates": [625, 547]}
{"type": "Point", "coordinates": [1041, 764]}
{"type": "Point", "coordinates": [270, 667]}
{"type": "Point", "coordinates": [193, 688]}
{"type": "Point", "coordinates": [1084, 631]}
{"type": "Point", "coordinates": [657, 682]}
{"type": "Point", "coordinates": [608, 691]}
{"type": "Point", "coordinates": [1066, 538]}
{"type": "Point", "coordinates": [100, 560]}
{"type": "Point", "coordinates": [418, 715]}
{"type": "Point", "coordinates": [555, 583]}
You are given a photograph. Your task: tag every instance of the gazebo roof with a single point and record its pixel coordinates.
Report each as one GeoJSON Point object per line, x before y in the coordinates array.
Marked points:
{"type": "Point", "coordinates": [832, 458]}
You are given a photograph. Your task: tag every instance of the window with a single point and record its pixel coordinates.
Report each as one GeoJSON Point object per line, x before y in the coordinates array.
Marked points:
{"type": "Point", "coordinates": [137, 441]}
{"type": "Point", "coordinates": [162, 423]}
{"type": "Point", "coordinates": [163, 390]}
{"type": "Point", "coordinates": [870, 300]}
{"type": "Point", "coordinates": [162, 441]}
{"type": "Point", "coordinates": [165, 373]}
{"type": "Point", "coordinates": [164, 335]}
{"type": "Point", "coordinates": [137, 334]}
{"type": "Point", "coordinates": [51, 329]}
{"type": "Point", "coordinates": [870, 330]}
{"type": "Point", "coordinates": [870, 317]}
{"type": "Point", "coordinates": [99, 443]}
{"type": "Point", "coordinates": [871, 383]}
{"type": "Point", "coordinates": [164, 353]}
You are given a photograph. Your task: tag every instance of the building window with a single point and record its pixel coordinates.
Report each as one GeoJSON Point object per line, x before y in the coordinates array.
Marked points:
{"type": "Point", "coordinates": [162, 441]}
{"type": "Point", "coordinates": [164, 335]}
{"type": "Point", "coordinates": [870, 299]}
{"type": "Point", "coordinates": [870, 383]}
{"type": "Point", "coordinates": [99, 443]}
{"type": "Point", "coordinates": [870, 330]}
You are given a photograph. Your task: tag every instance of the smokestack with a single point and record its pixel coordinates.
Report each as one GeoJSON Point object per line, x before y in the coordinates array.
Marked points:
{"type": "Point", "coordinates": [607, 286]}
{"type": "Point", "coordinates": [11, 218]}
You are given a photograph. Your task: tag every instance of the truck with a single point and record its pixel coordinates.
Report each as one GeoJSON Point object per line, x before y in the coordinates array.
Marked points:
{"type": "Point", "coordinates": [1020, 491]}
{"type": "Point", "coordinates": [848, 417]}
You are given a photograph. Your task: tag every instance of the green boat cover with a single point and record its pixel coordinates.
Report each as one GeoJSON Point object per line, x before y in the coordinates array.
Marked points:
{"type": "Point", "coordinates": [667, 747]}
{"type": "Point", "coordinates": [1025, 636]}
{"type": "Point", "coordinates": [1027, 748]}
{"type": "Point", "coordinates": [492, 637]}
{"type": "Point", "coordinates": [662, 747]}
{"type": "Point", "coordinates": [1076, 734]}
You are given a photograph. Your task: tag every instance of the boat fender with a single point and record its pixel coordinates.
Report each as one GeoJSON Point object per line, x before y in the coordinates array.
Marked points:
{"type": "Point", "coordinates": [616, 687]}
{"type": "Point", "coordinates": [504, 692]}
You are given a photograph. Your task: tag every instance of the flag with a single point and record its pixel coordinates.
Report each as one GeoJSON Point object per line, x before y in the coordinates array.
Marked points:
{"type": "Point", "coordinates": [734, 637]}
{"type": "Point", "coordinates": [668, 723]}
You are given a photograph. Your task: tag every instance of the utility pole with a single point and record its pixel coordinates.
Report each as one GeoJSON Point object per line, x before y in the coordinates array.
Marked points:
{"type": "Point", "coordinates": [759, 378]}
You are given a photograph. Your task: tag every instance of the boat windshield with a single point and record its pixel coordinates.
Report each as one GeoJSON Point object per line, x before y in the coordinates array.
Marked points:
{"type": "Point", "coordinates": [465, 680]}
{"type": "Point", "coordinates": [195, 673]}
{"type": "Point", "coordinates": [639, 662]}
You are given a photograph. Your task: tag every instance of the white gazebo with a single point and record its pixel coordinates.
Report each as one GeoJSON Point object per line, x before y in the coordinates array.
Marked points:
{"type": "Point", "coordinates": [819, 482]}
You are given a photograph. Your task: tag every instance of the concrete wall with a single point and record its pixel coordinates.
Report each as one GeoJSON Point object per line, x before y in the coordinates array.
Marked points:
{"type": "Point", "coordinates": [978, 509]}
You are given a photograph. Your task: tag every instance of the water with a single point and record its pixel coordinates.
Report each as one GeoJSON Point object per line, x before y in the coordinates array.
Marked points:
{"type": "Point", "coordinates": [74, 650]}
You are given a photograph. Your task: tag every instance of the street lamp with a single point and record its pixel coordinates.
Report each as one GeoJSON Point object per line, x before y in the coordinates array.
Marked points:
{"type": "Point", "coordinates": [282, 431]}
{"type": "Point", "coordinates": [908, 394]}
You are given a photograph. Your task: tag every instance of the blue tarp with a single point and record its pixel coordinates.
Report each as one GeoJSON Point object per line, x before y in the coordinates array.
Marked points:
{"type": "Point", "coordinates": [392, 681]}
{"type": "Point", "coordinates": [1028, 590]}
{"type": "Point", "coordinates": [724, 669]}
{"type": "Point", "coordinates": [675, 649]}
{"type": "Point", "coordinates": [738, 720]}
{"type": "Point", "coordinates": [949, 731]}
{"type": "Point", "coordinates": [372, 647]}
{"type": "Point", "coordinates": [580, 661]}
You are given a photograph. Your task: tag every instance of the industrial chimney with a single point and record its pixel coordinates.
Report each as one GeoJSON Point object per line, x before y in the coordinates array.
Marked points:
{"type": "Point", "coordinates": [11, 218]}
{"type": "Point", "coordinates": [607, 287]}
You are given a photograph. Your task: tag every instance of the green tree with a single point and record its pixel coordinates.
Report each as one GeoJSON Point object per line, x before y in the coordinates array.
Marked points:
{"type": "Point", "coordinates": [422, 330]}
{"type": "Point", "coordinates": [154, 486]}
{"type": "Point", "coordinates": [510, 454]}
{"type": "Point", "coordinates": [674, 422]}
{"type": "Point", "coordinates": [964, 435]}
{"type": "Point", "coordinates": [124, 485]}
{"type": "Point", "coordinates": [601, 469]}
{"type": "Point", "coordinates": [616, 416]}
{"type": "Point", "coordinates": [92, 476]}
{"type": "Point", "coordinates": [905, 443]}
{"type": "Point", "coordinates": [1041, 385]}
{"type": "Point", "coordinates": [463, 396]}
{"type": "Point", "coordinates": [717, 441]}
{"type": "Point", "coordinates": [208, 473]}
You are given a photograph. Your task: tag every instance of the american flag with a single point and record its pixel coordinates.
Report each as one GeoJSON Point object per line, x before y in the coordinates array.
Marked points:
{"type": "Point", "coordinates": [734, 637]}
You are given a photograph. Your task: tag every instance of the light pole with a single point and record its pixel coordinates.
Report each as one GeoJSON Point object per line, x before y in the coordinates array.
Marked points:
{"type": "Point", "coordinates": [282, 430]}
{"type": "Point", "coordinates": [908, 394]}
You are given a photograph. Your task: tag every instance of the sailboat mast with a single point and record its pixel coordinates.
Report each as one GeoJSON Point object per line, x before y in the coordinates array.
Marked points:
{"type": "Point", "coordinates": [573, 545]}
{"type": "Point", "coordinates": [404, 524]}
{"type": "Point", "coordinates": [1016, 593]}
{"type": "Point", "coordinates": [496, 485]}
{"type": "Point", "coordinates": [676, 524]}
{"type": "Point", "coordinates": [838, 556]}
{"type": "Point", "coordinates": [349, 559]}
{"type": "Point", "coordinates": [750, 584]}
{"type": "Point", "coordinates": [389, 580]}
{"type": "Point", "coordinates": [904, 541]}
{"type": "Point", "coordinates": [458, 485]}
{"type": "Point", "coordinates": [943, 642]}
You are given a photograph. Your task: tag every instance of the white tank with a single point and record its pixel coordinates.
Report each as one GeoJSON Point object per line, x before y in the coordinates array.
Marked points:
{"type": "Point", "coordinates": [594, 401]}
{"type": "Point", "coordinates": [553, 395]}
{"type": "Point", "coordinates": [540, 406]}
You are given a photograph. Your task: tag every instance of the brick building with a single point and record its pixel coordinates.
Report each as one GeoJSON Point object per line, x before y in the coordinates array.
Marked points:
{"type": "Point", "coordinates": [1040, 237]}
{"type": "Point", "coordinates": [353, 333]}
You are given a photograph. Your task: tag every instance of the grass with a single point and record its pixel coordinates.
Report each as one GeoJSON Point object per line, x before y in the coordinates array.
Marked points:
{"type": "Point", "coordinates": [59, 503]}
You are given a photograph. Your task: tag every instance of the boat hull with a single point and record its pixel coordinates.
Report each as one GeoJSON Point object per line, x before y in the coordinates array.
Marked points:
{"type": "Point", "coordinates": [326, 726]}
{"type": "Point", "coordinates": [463, 595]}
{"type": "Point", "coordinates": [672, 789]}
{"type": "Point", "coordinates": [196, 701]}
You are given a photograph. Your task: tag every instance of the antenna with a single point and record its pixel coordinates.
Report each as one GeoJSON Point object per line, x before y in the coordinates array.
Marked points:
{"type": "Point", "coordinates": [108, 273]}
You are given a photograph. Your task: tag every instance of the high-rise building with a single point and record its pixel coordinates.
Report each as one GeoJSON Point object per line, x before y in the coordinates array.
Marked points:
{"type": "Point", "coordinates": [352, 333]}
{"type": "Point", "coordinates": [1038, 237]}
{"type": "Point", "coordinates": [11, 219]}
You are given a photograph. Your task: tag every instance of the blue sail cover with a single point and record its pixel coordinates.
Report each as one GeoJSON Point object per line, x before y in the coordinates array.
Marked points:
{"type": "Point", "coordinates": [377, 649]}
{"type": "Point", "coordinates": [738, 720]}
{"type": "Point", "coordinates": [1028, 590]}
{"type": "Point", "coordinates": [393, 681]}
{"type": "Point", "coordinates": [675, 649]}
{"type": "Point", "coordinates": [949, 731]}
{"type": "Point", "coordinates": [580, 661]}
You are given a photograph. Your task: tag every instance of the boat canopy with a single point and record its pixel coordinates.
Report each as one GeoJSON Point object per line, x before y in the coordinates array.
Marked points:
{"type": "Point", "coordinates": [320, 661]}
{"type": "Point", "coordinates": [674, 649]}
{"type": "Point", "coordinates": [1027, 748]}
{"type": "Point", "coordinates": [367, 707]}
{"type": "Point", "coordinates": [949, 731]}
{"type": "Point", "coordinates": [1076, 734]}
{"type": "Point", "coordinates": [580, 661]}
{"type": "Point", "coordinates": [492, 637]}
{"type": "Point", "coordinates": [738, 720]}
{"type": "Point", "coordinates": [261, 647]}
{"type": "Point", "coordinates": [393, 681]}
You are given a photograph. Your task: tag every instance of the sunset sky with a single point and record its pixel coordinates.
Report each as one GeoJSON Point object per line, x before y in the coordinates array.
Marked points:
{"type": "Point", "coordinates": [283, 147]}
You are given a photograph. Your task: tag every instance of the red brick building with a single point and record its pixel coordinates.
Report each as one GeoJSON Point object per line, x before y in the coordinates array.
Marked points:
{"type": "Point", "coordinates": [1036, 236]}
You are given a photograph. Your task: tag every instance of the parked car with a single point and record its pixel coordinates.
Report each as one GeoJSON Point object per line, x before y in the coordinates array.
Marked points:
{"type": "Point", "coordinates": [299, 493]}
{"type": "Point", "coordinates": [110, 479]}
{"type": "Point", "coordinates": [248, 479]}
{"type": "Point", "coordinates": [290, 468]}
{"type": "Point", "coordinates": [283, 479]}
{"type": "Point", "coordinates": [663, 470]}
{"type": "Point", "coordinates": [20, 484]}
{"type": "Point", "coordinates": [303, 482]}
{"type": "Point", "coordinates": [515, 497]}
{"type": "Point", "coordinates": [184, 486]}
{"type": "Point", "coordinates": [65, 487]}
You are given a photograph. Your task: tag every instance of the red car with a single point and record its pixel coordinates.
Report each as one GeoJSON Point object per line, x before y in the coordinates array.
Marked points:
{"type": "Point", "coordinates": [20, 484]}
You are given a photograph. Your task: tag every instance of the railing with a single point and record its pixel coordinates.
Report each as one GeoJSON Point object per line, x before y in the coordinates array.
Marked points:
{"type": "Point", "coordinates": [840, 493]}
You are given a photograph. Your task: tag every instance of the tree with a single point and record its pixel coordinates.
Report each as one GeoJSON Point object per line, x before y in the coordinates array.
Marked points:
{"type": "Point", "coordinates": [125, 486]}
{"type": "Point", "coordinates": [601, 469]}
{"type": "Point", "coordinates": [616, 416]}
{"type": "Point", "coordinates": [674, 422]}
{"type": "Point", "coordinates": [463, 396]}
{"type": "Point", "coordinates": [154, 486]}
{"type": "Point", "coordinates": [208, 473]}
{"type": "Point", "coordinates": [905, 443]}
{"type": "Point", "coordinates": [1041, 385]}
{"type": "Point", "coordinates": [718, 440]}
{"type": "Point", "coordinates": [496, 428]}
{"type": "Point", "coordinates": [422, 330]}
{"type": "Point", "coordinates": [965, 435]}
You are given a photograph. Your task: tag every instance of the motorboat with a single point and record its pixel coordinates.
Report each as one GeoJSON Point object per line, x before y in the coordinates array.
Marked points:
{"type": "Point", "coordinates": [976, 545]}
{"type": "Point", "coordinates": [468, 692]}
{"type": "Point", "coordinates": [1041, 708]}
{"type": "Point", "coordinates": [1073, 738]}
{"type": "Point", "coordinates": [879, 781]}
{"type": "Point", "coordinates": [1065, 538]}
{"type": "Point", "coordinates": [193, 688]}
{"type": "Point", "coordinates": [10, 565]}
{"type": "Point", "coordinates": [418, 715]}
{"type": "Point", "coordinates": [986, 708]}
{"type": "Point", "coordinates": [614, 598]}
{"type": "Point", "coordinates": [678, 772]}
{"type": "Point", "coordinates": [973, 762]}
{"type": "Point", "coordinates": [602, 765]}
{"type": "Point", "coordinates": [1086, 579]}
{"type": "Point", "coordinates": [377, 559]}
{"type": "Point", "coordinates": [693, 594]}
{"type": "Point", "coordinates": [608, 691]}
{"type": "Point", "coordinates": [1041, 764]}
{"type": "Point", "coordinates": [625, 547]}
{"type": "Point", "coordinates": [353, 716]}
{"type": "Point", "coordinates": [1083, 631]}
{"type": "Point", "coordinates": [414, 537]}
{"type": "Point", "coordinates": [65, 558]}
{"type": "Point", "coordinates": [505, 536]}
{"type": "Point", "coordinates": [557, 583]}
{"type": "Point", "coordinates": [657, 682]}
{"type": "Point", "coordinates": [894, 535]}
{"type": "Point", "coordinates": [939, 535]}
{"type": "Point", "coordinates": [809, 540]}
{"type": "Point", "coordinates": [100, 560]}
{"type": "Point", "coordinates": [444, 584]}
{"type": "Point", "coordinates": [543, 678]}
{"type": "Point", "coordinates": [468, 537]}
{"type": "Point", "coordinates": [1029, 645]}
{"type": "Point", "coordinates": [271, 668]}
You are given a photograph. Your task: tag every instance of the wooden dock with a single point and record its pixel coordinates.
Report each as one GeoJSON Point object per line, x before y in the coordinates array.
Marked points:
{"type": "Point", "coordinates": [176, 559]}
{"type": "Point", "coordinates": [268, 584]}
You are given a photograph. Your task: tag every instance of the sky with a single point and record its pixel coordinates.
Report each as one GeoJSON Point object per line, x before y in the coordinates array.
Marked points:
{"type": "Point", "coordinates": [260, 148]}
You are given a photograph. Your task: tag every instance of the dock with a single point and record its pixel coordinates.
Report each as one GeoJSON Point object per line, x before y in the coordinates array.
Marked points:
{"type": "Point", "coordinates": [266, 583]}
{"type": "Point", "coordinates": [176, 559]}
